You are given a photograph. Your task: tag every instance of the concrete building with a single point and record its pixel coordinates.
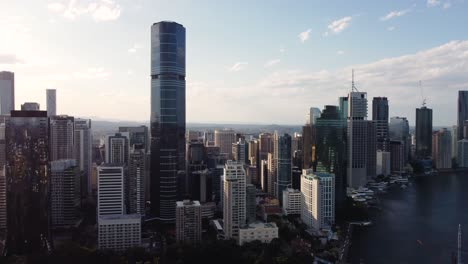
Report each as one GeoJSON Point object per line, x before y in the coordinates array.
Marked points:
{"type": "Point", "coordinates": [224, 140]}
{"type": "Point", "coordinates": [3, 183]}
{"type": "Point", "coordinates": [188, 221]}
{"type": "Point", "coordinates": [138, 135]}
{"type": "Point", "coordinates": [234, 200]}
{"type": "Point", "coordinates": [7, 92]}
{"type": "Point", "coordinates": [136, 180]}
{"type": "Point", "coordinates": [272, 174]}
{"type": "Point", "coordinates": [399, 130]}
{"type": "Point", "coordinates": [61, 137]}
{"type": "Point", "coordinates": [111, 194]}
{"type": "Point", "coordinates": [442, 149]}
{"type": "Point", "coordinates": [117, 148]}
{"type": "Point", "coordinates": [423, 132]}
{"type": "Point", "coordinates": [119, 232]}
{"type": "Point", "coordinates": [397, 161]}
{"type": "Point", "coordinates": [51, 102]}
{"type": "Point", "coordinates": [65, 198]}
{"type": "Point", "coordinates": [240, 151]}
{"type": "Point", "coordinates": [318, 199]}
{"type": "Point", "coordinates": [372, 149]}
{"type": "Point", "coordinates": [357, 142]}
{"type": "Point", "coordinates": [264, 232]}
{"type": "Point", "coordinates": [265, 145]}
{"type": "Point", "coordinates": [83, 145]}
{"type": "Point", "coordinates": [30, 106]}
{"type": "Point", "coordinates": [462, 153]}
{"type": "Point", "coordinates": [383, 163]}
{"type": "Point", "coordinates": [292, 202]}
{"type": "Point", "coordinates": [254, 154]}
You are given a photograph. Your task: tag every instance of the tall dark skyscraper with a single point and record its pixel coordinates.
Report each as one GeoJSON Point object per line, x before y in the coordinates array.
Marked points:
{"type": "Point", "coordinates": [167, 117]}
{"type": "Point", "coordinates": [7, 92]}
{"type": "Point", "coordinates": [27, 167]}
{"type": "Point", "coordinates": [284, 164]}
{"type": "Point", "coordinates": [462, 112]}
{"type": "Point", "coordinates": [423, 132]}
{"type": "Point", "coordinates": [380, 118]}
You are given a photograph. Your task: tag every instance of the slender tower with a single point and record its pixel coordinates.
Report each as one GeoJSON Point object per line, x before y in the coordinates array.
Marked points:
{"type": "Point", "coordinates": [167, 118]}
{"type": "Point", "coordinates": [459, 260]}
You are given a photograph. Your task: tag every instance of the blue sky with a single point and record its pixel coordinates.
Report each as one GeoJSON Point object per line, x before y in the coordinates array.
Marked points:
{"type": "Point", "coordinates": [247, 61]}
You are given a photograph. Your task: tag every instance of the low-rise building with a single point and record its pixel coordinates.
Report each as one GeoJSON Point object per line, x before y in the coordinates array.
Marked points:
{"type": "Point", "coordinates": [291, 202]}
{"type": "Point", "coordinates": [119, 232]}
{"type": "Point", "coordinates": [264, 232]}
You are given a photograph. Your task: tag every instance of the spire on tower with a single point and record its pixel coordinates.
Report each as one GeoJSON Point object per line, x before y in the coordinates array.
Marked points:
{"type": "Point", "coordinates": [353, 87]}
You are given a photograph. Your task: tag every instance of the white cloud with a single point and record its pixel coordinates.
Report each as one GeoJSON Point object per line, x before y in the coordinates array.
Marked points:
{"type": "Point", "coordinates": [134, 48]}
{"type": "Point", "coordinates": [303, 36]}
{"type": "Point", "coordinates": [56, 7]}
{"type": "Point", "coordinates": [339, 25]}
{"type": "Point", "coordinates": [92, 73]}
{"type": "Point", "coordinates": [10, 59]}
{"type": "Point", "coordinates": [282, 50]}
{"type": "Point", "coordinates": [99, 10]}
{"type": "Point", "coordinates": [340, 52]}
{"type": "Point", "coordinates": [432, 3]}
{"type": "Point", "coordinates": [391, 28]}
{"type": "Point", "coordinates": [272, 63]}
{"type": "Point", "coordinates": [442, 70]}
{"type": "Point", "coordinates": [238, 66]}
{"type": "Point", "coordinates": [394, 14]}
{"type": "Point", "coordinates": [447, 5]}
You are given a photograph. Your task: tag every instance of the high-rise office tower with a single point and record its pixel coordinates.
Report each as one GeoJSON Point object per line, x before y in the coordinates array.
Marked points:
{"type": "Point", "coordinates": [64, 193]}
{"type": "Point", "coordinates": [224, 140]}
{"type": "Point", "coordinates": [83, 145]}
{"type": "Point", "coordinates": [462, 112]}
{"type": "Point", "coordinates": [357, 139]}
{"type": "Point", "coordinates": [455, 142]}
{"type": "Point", "coordinates": [137, 135]}
{"type": "Point", "coordinates": [136, 180]}
{"type": "Point", "coordinates": [397, 152]}
{"type": "Point", "coordinates": [284, 165]}
{"type": "Point", "coordinates": [51, 102]}
{"type": "Point", "coordinates": [371, 149]}
{"type": "Point", "coordinates": [308, 146]}
{"type": "Point", "coordinates": [399, 130]}
{"type": "Point", "coordinates": [234, 204]}
{"type": "Point", "coordinates": [188, 221]}
{"type": "Point", "coordinates": [110, 198]}
{"type": "Point", "coordinates": [61, 137]}
{"type": "Point", "coordinates": [7, 92]}
{"type": "Point", "coordinates": [331, 149]}
{"type": "Point", "coordinates": [240, 151]}
{"type": "Point", "coordinates": [265, 145]}
{"type": "Point", "coordinates": [117, 148]}
{"type": "Point", "coordinates": [462, 154]}
{"type": "Point", "coordinates": [254, 154]}
{"type": "Point", "coordinates": [383, 163]}
{"type": "Point", "coordinates": [343, 105]}
{"type": "Point", "coordinates": [312, 115]}
{"type": "Point", "coordinates": [442, 149]}
{"type": "Point", "coordinates": [271, 177]}
{"type": "Point", "coordinates": [250, 203]}
{"type": "Point", "coordinates": [423, 132]}
{"type": "Point", "coordinates": [167, 116]}
{"type": "Point", "coordinates": [3, 187]}
{"type": "Point", "coordinates": [318, 199]}
{"type": "Point", "coordinates": [27, 165]}
{"type": "Point", "coordinates": [380, 118]}
{"type": "Point", "coordinates": [264, 175]}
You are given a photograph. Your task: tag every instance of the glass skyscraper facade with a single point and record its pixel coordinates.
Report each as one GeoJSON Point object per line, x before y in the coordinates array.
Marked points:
{"type": "Point", "coordinates": [462, 112]}
{"type": "Point", "coordinates": [27, 166]}
{"type": "Point", "coordinates": [380, 118]}
{"type": "Point", "coordinates": [284, 165]}
{"type": "Point", "coordinates": [423, 132]}
{"type": "Point", "coordinates": [167, 117]}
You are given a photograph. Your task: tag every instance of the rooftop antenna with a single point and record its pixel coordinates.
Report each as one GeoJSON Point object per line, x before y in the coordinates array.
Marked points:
{"type": "Point", "coordinates": [422, 94]}
{"type": "Point", "coordinates": [353, 87]}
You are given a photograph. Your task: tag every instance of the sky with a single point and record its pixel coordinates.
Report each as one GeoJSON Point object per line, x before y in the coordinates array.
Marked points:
{"type": "Point", "coordinates": [250, 62]}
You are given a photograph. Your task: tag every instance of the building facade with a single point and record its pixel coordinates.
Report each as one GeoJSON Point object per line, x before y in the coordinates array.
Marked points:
{"type": "Point", "coordinates": [136, 180]}
{"type": "Point", "coordinates": [51, 102]}
{"type": "Point", "coordinates": [284, 165]}
{"type": "Point", "coordinates": [423, 132]}
{"type": "Point", "coordinates": [292, 202]}
{"type": "Point", "coordinates": [234, 199]}
{"type": "Point", "coordinates": [264, 232]}
{"type": "Point", "coordinates": [27, 175]}
{"type": "Point", "coordinates": [188, 221]}
{"type": "Point", "coordinates": [65, 198]}
{"type": "Point", "coordinates": [117, 148]}
{"type": "Point", "coordinates": [380, 118]}
{"type": "Point", "coordinates": [224, 140]}
{"type": "Point", "coordinates": [119, 232]}
{"type": "Point", "coordinates": [462, 113]}
{"type": "Point", "coordinates": [111, 194]}
{"type": "Point", "coordinates": [399, 130]}
{"type": "Point", "coordinates": [383, 163]}
{"type": "Point", "coordinates": [442, 149]}
{"type": "Point", "coordinates": [167, 122]}
{"type": "Point", "coordinates": [83, 145]}
{"type": "Point", "coordinates": [462, 153]}
{"type": "Point", "coordinates": [61, 137]}
{"type": "Point", "coordinates": [318, 199]}
{"type": "Point", "coordinates": [7, 92]}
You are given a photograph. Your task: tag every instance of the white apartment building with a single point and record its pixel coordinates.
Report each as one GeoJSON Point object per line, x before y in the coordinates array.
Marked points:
{"type": "Point", "coordinates": [119, 232]}
{"type": "Point", "coordinates": [292, 202]}
{"type": "Point", "coordinates": [234, 207]}
{"type": "Point", "coordinates": [264, 232]}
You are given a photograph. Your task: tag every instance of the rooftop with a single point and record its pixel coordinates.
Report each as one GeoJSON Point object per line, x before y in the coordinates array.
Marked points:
{"type": "Point", "coordinates": [187, 203]}
{"type": "Point", "coordinates": [260, 225]}
{"type": "Point", "coordinates": [120, 217]}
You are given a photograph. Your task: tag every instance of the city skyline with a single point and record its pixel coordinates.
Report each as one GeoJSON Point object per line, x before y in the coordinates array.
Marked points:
{"type": "Point", "coordinates": [307, 60]}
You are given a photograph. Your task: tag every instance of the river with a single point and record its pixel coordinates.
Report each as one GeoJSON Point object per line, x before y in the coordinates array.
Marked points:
{"type": "Point", "coordinates": [418, 224]}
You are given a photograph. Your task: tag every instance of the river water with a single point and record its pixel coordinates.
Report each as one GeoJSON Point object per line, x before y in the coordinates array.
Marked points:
{"type": "Point", "coordinates": [418, 224]}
